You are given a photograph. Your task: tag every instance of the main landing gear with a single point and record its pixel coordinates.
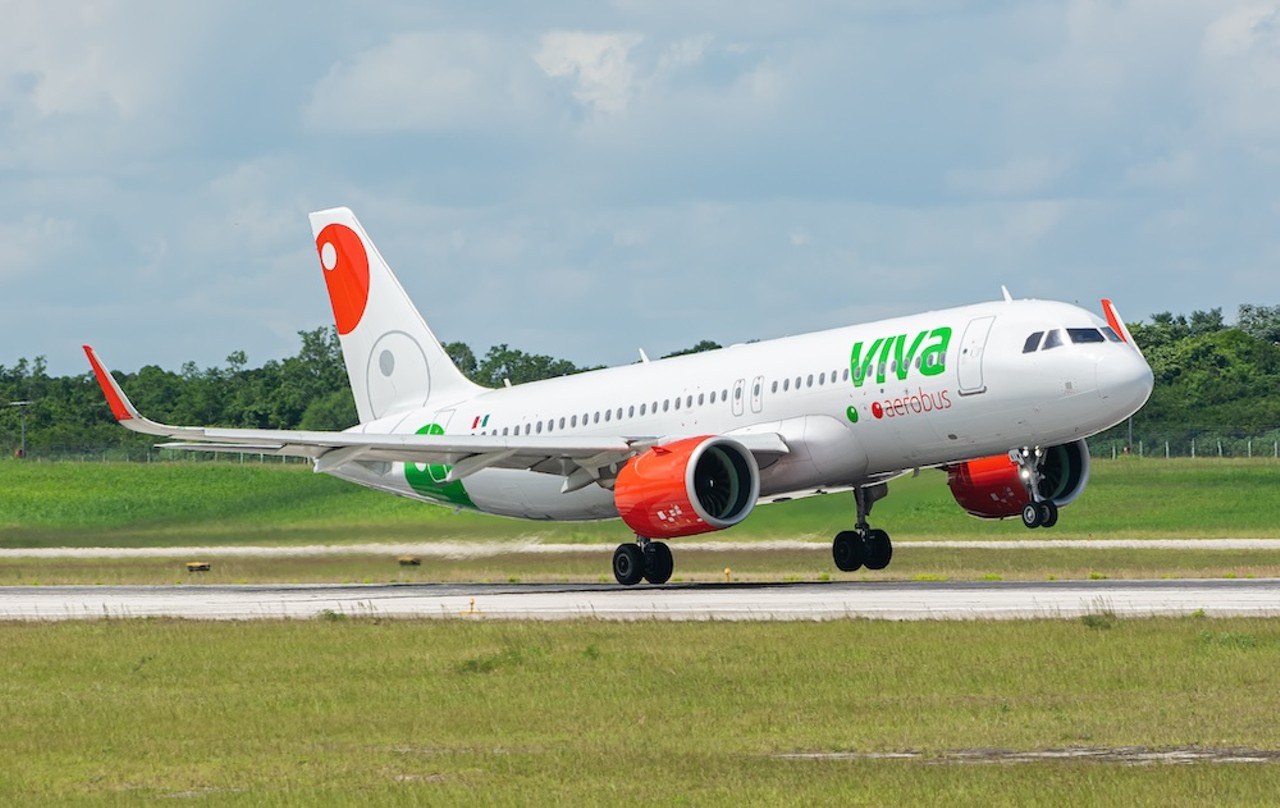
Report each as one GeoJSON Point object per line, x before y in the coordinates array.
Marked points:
{"type": "Point", "coordinates": [645, 560]}
{"type": "Point", "coordinates": [863, 546]}
{"type": "Point", "coordinates": [1040, 511]}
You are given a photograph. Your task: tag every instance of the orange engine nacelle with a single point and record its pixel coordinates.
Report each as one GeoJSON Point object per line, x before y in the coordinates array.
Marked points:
{"type": "Point", "coordinates": [993, 487]}
{"type": "Point", "coordinates": [690, 486]}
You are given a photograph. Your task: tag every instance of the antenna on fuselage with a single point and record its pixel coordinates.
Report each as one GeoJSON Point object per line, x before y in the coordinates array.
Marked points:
{"type": "Point", "coordinates": [1008, 298]}
{"type": "Point", "coordinates": [644, 357]}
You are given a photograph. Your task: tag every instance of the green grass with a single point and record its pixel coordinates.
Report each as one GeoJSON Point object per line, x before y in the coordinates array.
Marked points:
{"type": "Point", "coordinates": [745, 565]}
{"type": "Point", "coordinates": [161, 504]}
{"type": "Point", "coordinates": [343, 711]}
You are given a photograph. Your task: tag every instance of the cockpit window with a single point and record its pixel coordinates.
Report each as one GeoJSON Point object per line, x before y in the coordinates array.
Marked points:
{"type": "Point", "coordinates": [1079, 335]}
{"type": "Point", "coordinates": [1053, 339]}
{"type": "Point", "coordinates": [1033, 342]}
{"type": "Point", "coordinates": [1111, 335]}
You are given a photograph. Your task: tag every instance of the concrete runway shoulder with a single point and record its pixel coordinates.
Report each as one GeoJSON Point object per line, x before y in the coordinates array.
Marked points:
{"type": "Point", "coordinates": [790, 601]}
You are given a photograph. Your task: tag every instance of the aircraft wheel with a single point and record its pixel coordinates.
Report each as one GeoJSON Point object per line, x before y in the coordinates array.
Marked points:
{"type": "Point", "coordinates": [1048, 513]}
{"type": "Point", "coordinates": [628, 564]}
{"type": "Point", "coordinates": [849, 549]}
{"type": "Point", "coordinates": [658, 564]}
{"type": "Point", "coordinates": [879, 550]}
{"type": "Point", "coordinates": [1031, 514]}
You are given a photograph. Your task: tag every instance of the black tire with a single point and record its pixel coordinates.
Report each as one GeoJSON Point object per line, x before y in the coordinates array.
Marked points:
{"type": "Point", "coordinates": [628, 564]}
{"type": "Point", "coordinates": [1048, 513]}
{"type": "Point", "coordinates": [1031, 515]}
{"type": "Point", "coordinates": [658, 564]}
{"type": "Point", "coordinates": [848, 549]}
{"type": "Point", "coordinates": [879, 550]}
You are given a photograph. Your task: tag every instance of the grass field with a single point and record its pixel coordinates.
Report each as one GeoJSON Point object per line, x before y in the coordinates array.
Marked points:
{"type": "Point", "coordinates": [592, 565]}
{"type": "Point", "coordinates": [401, 712]}
{"type": "Point", "coordinates": [386, 712]}
{"type": "Point", "coordinates": [127, 505]}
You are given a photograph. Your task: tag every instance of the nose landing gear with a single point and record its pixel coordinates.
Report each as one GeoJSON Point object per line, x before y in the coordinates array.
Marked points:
{"type": "Point", "coordinates": [1041, 511]}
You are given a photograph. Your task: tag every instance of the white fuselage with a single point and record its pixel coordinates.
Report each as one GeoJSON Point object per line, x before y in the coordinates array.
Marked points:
{"type": "Point", "coordinates": [852, 404]}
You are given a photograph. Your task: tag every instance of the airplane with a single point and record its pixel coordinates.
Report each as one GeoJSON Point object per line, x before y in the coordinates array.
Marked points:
{"type": "Point", "coordinates": [1000, 395]}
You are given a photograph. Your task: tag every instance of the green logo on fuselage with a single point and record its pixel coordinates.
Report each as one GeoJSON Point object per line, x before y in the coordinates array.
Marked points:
{"type": "Point", "coordinates": [926, 352]}
{"type": "Point", "coordinates": [428, 479]}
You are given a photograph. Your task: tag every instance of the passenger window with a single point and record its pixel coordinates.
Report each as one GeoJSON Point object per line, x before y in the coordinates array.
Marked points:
{"type": "Point", "coordinates": [631, 411]}
{"type": "Point", "coordinates": [822, 378]}
{"type": "Point", "coordinates": [666, 404]}
{"type": "Point", "coordinates": [562, 422]}
{"type": "Point", "coordinates": [701, 398]}
{"type": "Point", "coordinates": [773, 388]}
{"type": "Point", "coordinates": [724, 395]}
{"type": "Point", "coordinates": [1084, 335]}
{"type": "Point", "coordinates": [1053, 339]}
{"type": "Point", "coordinates": [845, 375]}
{"type": "Point", "coordinates": [809, 381]}
{"type": "Point", "coordinates": [527, 429]}
{"type": "Point", "coordinates": [1032, 342]}
{"type": "Point", "coordinates": [786, 385]}
{"type": "Point", "coordinates": [619, 413]}
{"type": "Point", "coordinates": [539, 429]}
{"type": "Point", "coordinates": [595, 419]}
{"type": "Point", "coordinates": [688, 401]}
{"type": "Point", "coordinates": [755, 389]}
{"type": "Point", "coordinates": [677, 402]}
{"type": "Point", "coordinates": [737, 393]}
{"type": "Point", "coordinates": [797, 382]}
{"type": "Point", "coordinates": [642, 408]}
{"type": "Point", "coordinates": [504, 430]}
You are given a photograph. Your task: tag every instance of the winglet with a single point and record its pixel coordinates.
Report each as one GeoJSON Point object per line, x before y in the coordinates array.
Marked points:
{"type": "Point", "coordinates": [1117, 324]}
{"type": "Point", "coordinates": [121, 407]}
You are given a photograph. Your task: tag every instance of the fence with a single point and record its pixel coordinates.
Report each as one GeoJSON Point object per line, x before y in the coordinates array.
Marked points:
{"type": "Point", "coordinates": [1188, 443]}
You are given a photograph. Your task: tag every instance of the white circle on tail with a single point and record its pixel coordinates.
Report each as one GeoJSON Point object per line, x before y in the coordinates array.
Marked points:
{"type": "Point", "coordinates": [396, 374]}
{"type": "Point", "coordinates": [328, 256]}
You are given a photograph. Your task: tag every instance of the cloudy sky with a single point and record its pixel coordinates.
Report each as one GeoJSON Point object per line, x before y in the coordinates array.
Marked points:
{"type": "Point", "coordinates": [585, 178]}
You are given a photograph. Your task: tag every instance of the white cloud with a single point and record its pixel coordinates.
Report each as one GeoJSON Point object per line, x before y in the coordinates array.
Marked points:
{"type": "Point", "coordinates": [424, 81]}
{"type": "Point", "coordinates": [1240, 79]}
{"type": "Point", "coordinates": [596, 64]}
{"type": "Point", "coordinates": [1022, 177]}
{"type": "Point", "coordinates": [157, 161]}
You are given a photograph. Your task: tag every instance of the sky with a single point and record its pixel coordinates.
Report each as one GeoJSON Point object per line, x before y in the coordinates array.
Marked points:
{"type": "Point", "coordinates": [583, 179]}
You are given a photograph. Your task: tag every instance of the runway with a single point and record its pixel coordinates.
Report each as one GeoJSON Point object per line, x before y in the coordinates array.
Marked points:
{"type": "Point", "coordinates": [536, 547]}
{"type": "Point", "coordinates": [790, 601]}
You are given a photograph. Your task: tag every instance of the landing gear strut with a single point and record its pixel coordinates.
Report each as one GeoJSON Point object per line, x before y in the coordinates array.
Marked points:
{"type": "Point", "coordinates": [1040, 511]}
{"type": "Point", "coordinates": [644, 560]}
{"type": "Point", "coordinates": [864, 546]}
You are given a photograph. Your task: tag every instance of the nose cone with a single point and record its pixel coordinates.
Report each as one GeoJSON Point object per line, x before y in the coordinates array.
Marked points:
{"type": "Point", "coordinates": [1124, 381]}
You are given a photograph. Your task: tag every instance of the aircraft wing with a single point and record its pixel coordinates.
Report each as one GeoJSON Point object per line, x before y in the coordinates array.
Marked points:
{"type": "Point", "coordinates": [580, 460]}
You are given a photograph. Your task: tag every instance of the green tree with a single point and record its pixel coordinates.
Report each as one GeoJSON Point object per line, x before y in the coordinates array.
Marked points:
{"type": "Point", "coordinates": [1260, 322]}
{"type": "Point", "coordinates": [704, 345]}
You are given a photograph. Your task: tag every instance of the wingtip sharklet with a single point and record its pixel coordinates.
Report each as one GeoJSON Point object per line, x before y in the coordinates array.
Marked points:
{"type": "Point", "coordinates": [121, 407]}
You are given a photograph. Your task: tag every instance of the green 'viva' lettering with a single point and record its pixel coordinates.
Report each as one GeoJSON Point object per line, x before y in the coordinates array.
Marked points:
{"type": "Point", "coordinates": [926, 352]}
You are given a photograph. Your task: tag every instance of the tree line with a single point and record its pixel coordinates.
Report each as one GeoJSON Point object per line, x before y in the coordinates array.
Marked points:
{"type": "Point", "coordinates": [1211, 380]}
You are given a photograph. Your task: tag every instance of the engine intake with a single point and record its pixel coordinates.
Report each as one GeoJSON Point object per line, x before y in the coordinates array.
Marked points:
{"type": "Point", "coordinates": [993, 487]}
{"type": "Point", "coordinates": [687, 487]}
